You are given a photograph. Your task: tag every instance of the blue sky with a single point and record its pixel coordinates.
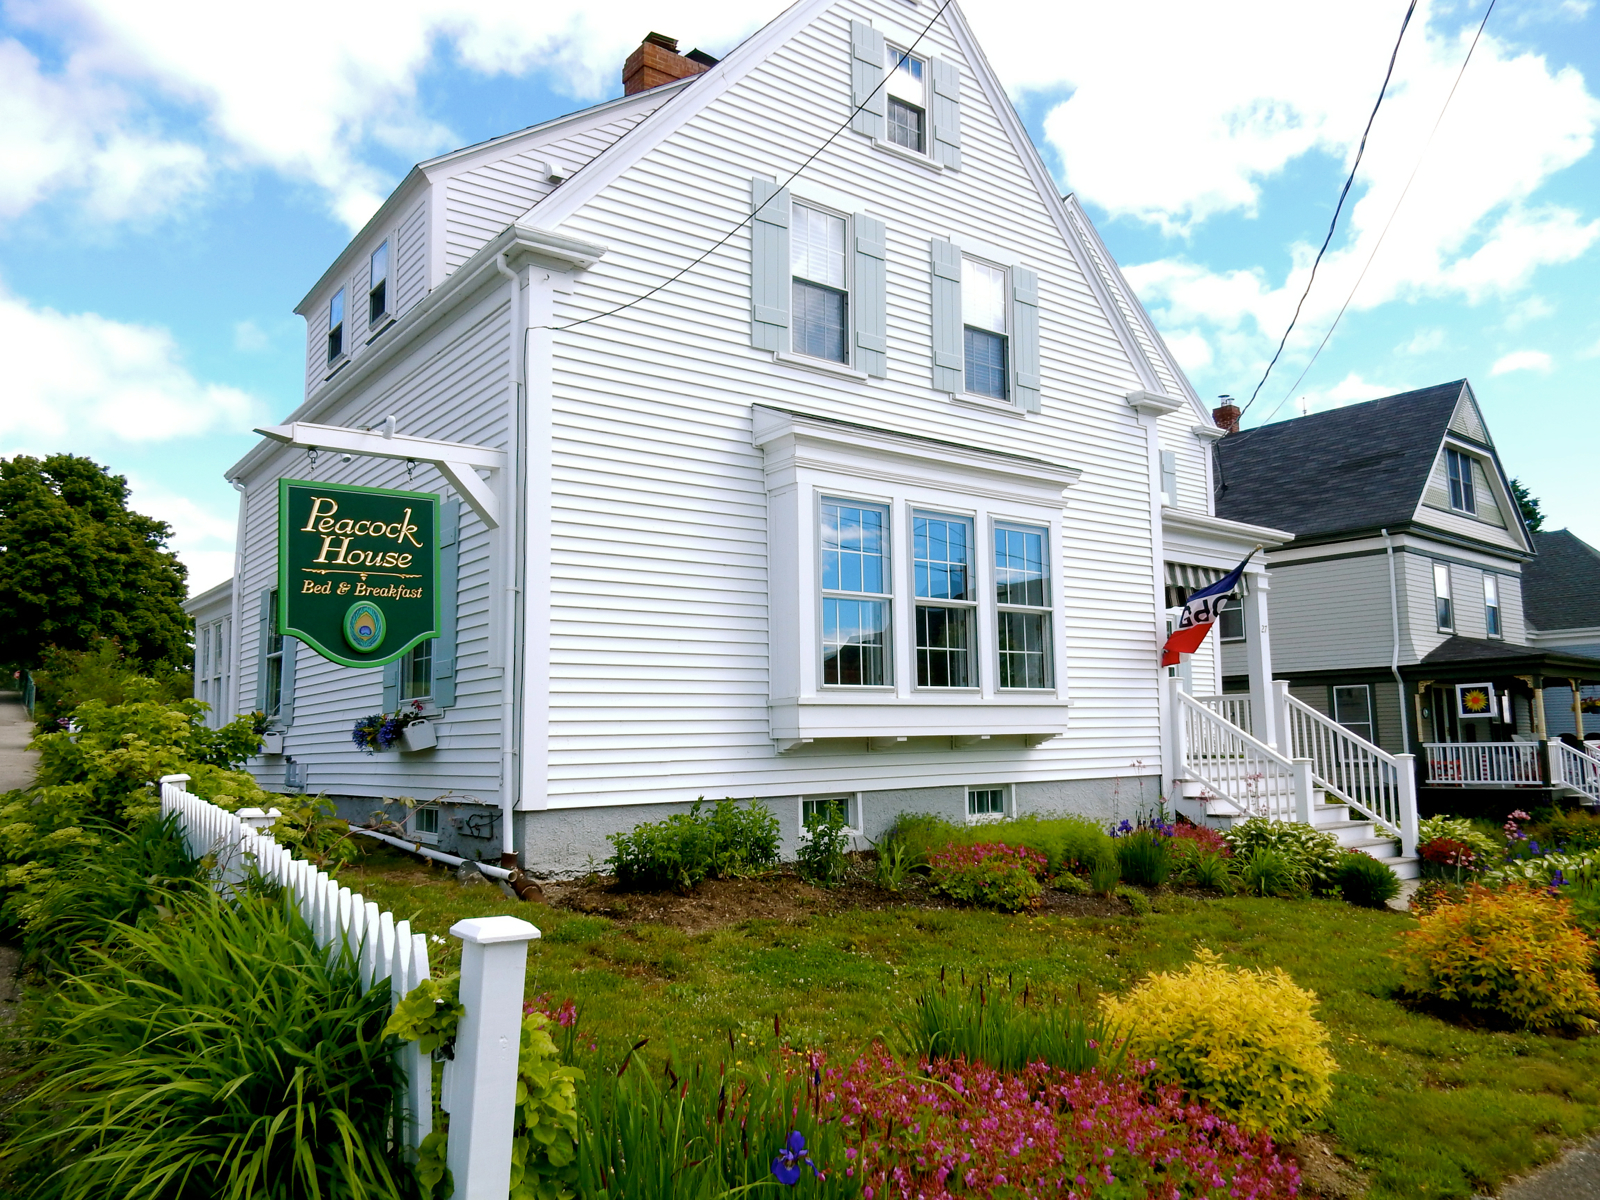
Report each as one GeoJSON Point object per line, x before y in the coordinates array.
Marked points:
{"type": "Point", "coordinates": [179, 174]}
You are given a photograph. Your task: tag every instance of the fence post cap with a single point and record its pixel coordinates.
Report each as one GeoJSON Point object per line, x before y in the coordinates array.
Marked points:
{"type": "Point", "coordinates": [486, 931]}
{"type": "Point", "coordinates": [174, 779]}
{"type": "Point", "coordinates": [247, 813]}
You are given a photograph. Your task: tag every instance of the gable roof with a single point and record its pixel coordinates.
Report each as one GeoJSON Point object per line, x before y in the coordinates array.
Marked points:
{"type": "Point", "coordinates": [1561, 587]}
{"type": "Point", "coordinates": [1360, 468]}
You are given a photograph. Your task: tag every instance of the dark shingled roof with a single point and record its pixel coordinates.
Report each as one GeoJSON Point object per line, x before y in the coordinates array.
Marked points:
{"type": "Point", "coordinates": [1561, 588]}
{"type": "Point", "coordinates": [1458, 655]}
{"type": "Point", "coordinates": [1361, 467]}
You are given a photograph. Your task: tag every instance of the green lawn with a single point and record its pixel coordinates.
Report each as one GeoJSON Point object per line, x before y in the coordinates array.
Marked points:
{"type": "Point", "coordinates": [1424, 1108]}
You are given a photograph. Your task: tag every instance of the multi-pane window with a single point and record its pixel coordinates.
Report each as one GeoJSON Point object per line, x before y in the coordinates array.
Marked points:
{"type": "Point", "coordinates": [1022, 596]}
{"type": "Point", "coordinates": [1461, 494]}
{"type": "Point", "coordinates": [986, 802]}
{"type": "Point", "coordinates": [336, 325]}
{"type": "Point", "coordinates": [273, 661]}
{"type": "Point", "coordinates": [816, 811]}
{"type": "Point", "coordinates": [1231, 622]}
{"type": "Point", "coordinates": [983, 313]}
{"type": "Point", "coordinates": [942, 570]}
{"type": "Point", "coordinates": [416, 672]}
{"type": "Point", "coordinates": [1352, 708]}
{"type": "Point", "coordinates": [907, 107]}
{"type": "Point", "coordinates": [855, 594]}
{"type": "Point", "coordinates": [821, 298]}
{"type": "Point", "coordinates": [1442, 610]}
{"type": "Point", "coordinates": [378, 286]}
{"type": "Point", "coordinates": [425, 824]}
{"type": "Point", "coordinates": [1491, 604]}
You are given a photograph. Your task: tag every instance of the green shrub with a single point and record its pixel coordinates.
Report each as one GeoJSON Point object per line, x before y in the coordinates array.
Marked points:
{"type": "Point", "coordinates": [1005, 1030]}
{"type": "Point", "coordinates": [822, 845]}
{"type": "Point", "coordinates": [1313, 854]}
{"type": "Point", "coordinates": [994, 875]}
{"type": "Point", "coordinates": [1244, 1042]}
{"type": "Point", "coordinates": [892, 865]}
{"type": "Point", "coordinates": [1267, 872]}
{"type": "Point", "coordinates": [1573, 832]}
{"type": "Point", "coordinates": [1207, 869]}
{"type": "Point", "coordinates": [1489, 848]}
{"type": "Point", "coordinates": [1145, 857]}
{"type": "Point", "coordinates": [1069, 844]}
{"type": "Point", "coordinates": [1104, 876]}
{"type": "Point", "coordinates": [1075, 885]}
{"type": "Point", "coordinates": [67, 678]}
{"type": "Point", "coordinates": [729, 841]}
{"type": "Point", "coordinates": [1137, 900]}
{"type": "Point", "coordinates": [219, 1054]}
{"type": "Point", "coordinates": [1365, 881]}
{"type": "Point", "coordinates": [1510, 954]}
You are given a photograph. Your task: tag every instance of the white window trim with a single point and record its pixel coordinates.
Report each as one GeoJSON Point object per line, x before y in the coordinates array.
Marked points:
{"type": "Point", "coordinates": [1492, 579]}
{"type": "Point", "coordinates": [823, 366]}
{"type": "Point", "coordinates": [386, 317]}
{"type": "Point", "coordinates": [911, 156]}
{"type": "Point", "coordinates": [991, 256]}
{"type": "Point", "coordinates": [429, 839]}
{"type": "Point", "coordinates": [892, 51]}
{"type": "Point", "coordinates": [808, 458]}
{"type": "Point", "coordinates": [813, 198]}
{"type": "Point", "coordinates": [852, 812]}
{"type": "Point", "coordinates": [1006, 801]}
{"type": "Point", "coordinates": [1450, 595]}
{"type": "Point", "coordinates": [1372, 711]}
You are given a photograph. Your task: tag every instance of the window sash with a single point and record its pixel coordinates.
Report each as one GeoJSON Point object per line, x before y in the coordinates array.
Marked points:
{"type": "Point", "coordinates": [1021, 566]}
{"type": "Point", "coordinates": [945, 647]}
{"type": "Point", "coordinates": [416, 672]}
{"type": "Point", "coordinates": [817, 242]}
{"type": "Point", "coordinates": [336, 325]}
{"type": "Point", "coordinates": [1231, 623]}
{"type": "Point", "coordinates": [1491, 605]}
{"type": "Point", "coordinates": [984, 355]}
{"type": "Point", "coordinates": [855, 642]}
{"type": "Point", "coordinates": [815, 810]}
{"type": "Point", "coordinates": [983, 295]}
{"type": "Point", "coordinates": [907, 77]}
{"type": "Point", "coordinates": [820, 322]}
{"type": "Point", "coordinates": [986, 802]}
{"type": "Point", "coordinates": [908, 125]}
{"type": "Point", "coordinates": [425, 820]}
{"type": "Point", "coordinates": [1462, 496]}
{"type": "Point", "coordinates": [1352, 708]}
{"type": "Point", "coordinates": [1441, 597]}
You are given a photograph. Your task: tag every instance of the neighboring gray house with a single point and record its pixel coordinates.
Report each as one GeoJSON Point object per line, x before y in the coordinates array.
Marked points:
{"type": "Point", "coordinates": [1398, 608]}
{"type": "Point", "coordinates": [1561, 592]}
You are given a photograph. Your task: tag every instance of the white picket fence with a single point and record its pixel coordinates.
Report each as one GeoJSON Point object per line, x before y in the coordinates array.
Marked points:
{"type": "Point", "coordinates": [479, 1084]}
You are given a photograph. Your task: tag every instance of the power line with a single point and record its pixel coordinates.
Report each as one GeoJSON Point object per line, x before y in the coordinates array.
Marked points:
{"type": "Point", "coordinates": [723, 240]}
{"type": "Point", "coordinates": [1350, 179]}
{"type": "Point", "coordinates": [1392, 214]}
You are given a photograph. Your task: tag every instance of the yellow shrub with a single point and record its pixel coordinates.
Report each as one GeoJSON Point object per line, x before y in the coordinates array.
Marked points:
{"type": "Point", "coordinates": [1244, 1042]}
{"type": "Point", "coordinates": [1511, 953]}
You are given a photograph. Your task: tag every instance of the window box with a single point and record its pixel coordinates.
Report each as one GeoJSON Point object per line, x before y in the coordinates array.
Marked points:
{"type": "Point", "coordinates": [419, 735]}
{"type": "Point", "coordinates": [272, 742]}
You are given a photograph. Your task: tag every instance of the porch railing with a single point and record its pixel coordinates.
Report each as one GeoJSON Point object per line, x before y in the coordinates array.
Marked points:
{"type": "Point", "coordinates": [1353, 771]}
{"type": "Point", "coordinates": [1234, 767]}
{"type": "Point", "coordinates": [1500, 764]}
{"type": "Point", "coordinates": [1233, 709]}
{"type": "Point", "coordinates": [1577, 769]}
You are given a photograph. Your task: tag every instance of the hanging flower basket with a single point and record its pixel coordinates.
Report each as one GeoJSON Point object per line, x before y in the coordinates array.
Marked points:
{"type": "Point", "coordinates": [386, 731]}
{"type": "Point", "coordinates": [419, 735]}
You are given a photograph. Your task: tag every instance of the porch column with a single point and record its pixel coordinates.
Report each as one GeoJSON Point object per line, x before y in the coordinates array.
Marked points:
{"type": "Point", "coordinates": [1577, 707]}
{"type": "Point", "coordinates": [1258, 649]}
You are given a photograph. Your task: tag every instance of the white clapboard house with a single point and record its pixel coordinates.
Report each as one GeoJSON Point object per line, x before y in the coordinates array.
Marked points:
{"type": "Point", "coordinates": [1399, 605]}
{"type": "Point", "coordinates": [870, 486]}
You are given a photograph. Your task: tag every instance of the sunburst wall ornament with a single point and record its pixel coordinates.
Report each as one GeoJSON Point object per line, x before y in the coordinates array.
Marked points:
{"type": "Point", "coordinates": [1476, 700]}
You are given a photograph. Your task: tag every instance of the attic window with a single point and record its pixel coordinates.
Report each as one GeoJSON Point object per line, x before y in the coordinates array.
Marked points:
{"type": "Point", "coordinates": [378, 286]}
{"type": "Point", "coordinates": [1461, 496]}
{"type": "Point", "coordinates": [907, 105]}
{"type": "Point", "coordinates": [336, 325]}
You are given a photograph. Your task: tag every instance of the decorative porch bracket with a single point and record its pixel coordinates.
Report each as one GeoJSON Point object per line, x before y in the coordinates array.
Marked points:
{"type": "Point", "coordinates": [456, 461]}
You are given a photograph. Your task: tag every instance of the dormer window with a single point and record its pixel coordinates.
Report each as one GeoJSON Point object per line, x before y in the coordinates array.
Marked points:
{"type": "Point", "coordinates": [907, 104]}
{"type": "Point", "coordinates": [336, 325]}
{"type": "Point", "coordinates": [1461, 495]}
{"type": "Point", "coordinates": [378, 286]}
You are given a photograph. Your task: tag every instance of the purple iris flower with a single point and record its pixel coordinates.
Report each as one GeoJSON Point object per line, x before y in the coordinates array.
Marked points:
{"type": "Point", "coordinates": [787, 1165]}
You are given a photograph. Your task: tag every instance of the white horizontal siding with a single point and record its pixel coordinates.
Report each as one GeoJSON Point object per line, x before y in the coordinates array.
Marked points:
{"type": "Point", "coordinates": [1189, 453]}
{"type": "Point", "coordinates": [411, 257]}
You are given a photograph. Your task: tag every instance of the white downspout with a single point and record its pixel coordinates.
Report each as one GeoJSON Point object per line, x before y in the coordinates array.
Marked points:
{"type": "Point", "coordinates": [1394, 654]}
{"type": "Point", "coordinates": [510, 526]}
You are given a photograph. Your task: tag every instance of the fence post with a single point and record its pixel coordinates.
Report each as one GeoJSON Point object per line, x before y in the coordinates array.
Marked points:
{"type": "Point", "coordinates": [1304, 793]}
{"type": "Point", "coordinates": [494, 956]}
{"type": "Point", "coordinates": [1406, 764]}
{"type": "Point", "coordinates": [181, 782]}
{"type": "Point", "coordinates": [1279, 698]}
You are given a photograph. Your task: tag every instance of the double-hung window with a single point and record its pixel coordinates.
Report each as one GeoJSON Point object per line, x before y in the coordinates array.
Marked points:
{"type": "Point", "coordinates": [336, 325]}
{"type": "Point", "coordinates": [378, 286]}
{"type": "Point", "coordinates": [821, 289]}
{"type": "Point", "coordinates": [946, 600]}
{"type": "Point", "coordinates": [1443, 612]}
{"type": "Point", "coordinates": [983, 315]}
{"type": "Point", "coordinates": [855, 594]}
{"type": "Point", "coordinates": [907, 102]}
{"type": "Point", "coordinates": [1352, 708]}
{"type": "Point", "coordinates": [1022, 599]}
{"type": "Point", "coordinates": [416, 672]}
{"type": "Point", "coordinates": [1459, 466]}
{"type": "Point", "coordinates": [272, 662]}
{"type": "Point", "coordinates": [1491, 604]}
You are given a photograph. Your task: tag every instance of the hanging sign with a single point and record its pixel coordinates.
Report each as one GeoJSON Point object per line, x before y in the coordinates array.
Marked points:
{"type": "Point", "coordinates": [358, 570]}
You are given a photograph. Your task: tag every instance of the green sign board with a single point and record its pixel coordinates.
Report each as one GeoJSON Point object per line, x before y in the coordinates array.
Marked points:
{"type": "Point", "coordinates": [358, 570]}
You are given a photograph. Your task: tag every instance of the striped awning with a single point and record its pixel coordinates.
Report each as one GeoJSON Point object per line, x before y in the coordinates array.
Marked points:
{"type": "Point", "coordinates": [1191, 578]}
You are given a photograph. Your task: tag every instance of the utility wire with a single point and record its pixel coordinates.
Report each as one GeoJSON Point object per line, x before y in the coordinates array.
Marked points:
{"type": "Point", "coordinates": [795, 174]}
{"type": "Point", "coordinates": [1350, 179]}
{"type": "Point", "coordinates": [1293, 386]}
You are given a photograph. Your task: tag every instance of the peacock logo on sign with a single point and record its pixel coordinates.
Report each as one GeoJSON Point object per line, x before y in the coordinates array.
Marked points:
{"type": "Point", "coordinates": [358, 570]}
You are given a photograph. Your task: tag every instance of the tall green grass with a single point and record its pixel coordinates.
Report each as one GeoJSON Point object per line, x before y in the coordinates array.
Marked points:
{"type": "Point", "coordinates": [1006, 1030]}
{"type": "Point", "coordinates": [216, 1054]}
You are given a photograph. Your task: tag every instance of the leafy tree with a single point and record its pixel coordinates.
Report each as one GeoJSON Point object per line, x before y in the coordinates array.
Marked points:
{"type": "Point", "coordinates": [77, 565]}
{"type": "Point", "coordinates": [1528, 504]}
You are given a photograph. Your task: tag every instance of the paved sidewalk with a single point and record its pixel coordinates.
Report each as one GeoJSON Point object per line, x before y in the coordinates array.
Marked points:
{"type": "Point", "coordinates": [17, 762]}
{"type": "Point", "coordinates": [1574, 1176]}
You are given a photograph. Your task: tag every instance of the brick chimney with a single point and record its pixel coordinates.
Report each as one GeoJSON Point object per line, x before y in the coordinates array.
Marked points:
{"type": "Point", "coordinates": [1227, 415]}
{"type": "Point", "coordinates": [657, 61]}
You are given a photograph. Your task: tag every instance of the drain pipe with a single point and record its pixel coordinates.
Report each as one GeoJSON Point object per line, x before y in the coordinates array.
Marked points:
{"type": "Point", "coordinates": [511, 531]}
{"type": "Point", "coordinates": [525, 888]}
{"type": "Point", "coordinates": [1394, 655]}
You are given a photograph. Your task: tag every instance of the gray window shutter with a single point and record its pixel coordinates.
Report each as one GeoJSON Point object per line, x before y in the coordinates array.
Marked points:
{"type": "Point", "coordinates": [391, 686]}
{"type": "Point", "coordinates": [871, 296]}
{"type": "Point", "coordinates": [867, 54]}
{"type": "Point", "coordinates": [769, 266]}
{"type": "Point", "coordinates": [945, 77]}
{"type": "Point", "coordinates": [949, 368]}
{"type": "Point", "coordinates": [1025, 337]}
{"type": "Point", "coordinates": [291, 651]}
{"type": "Point", "coordinates": [261, 649]}
{"type": "Point", "coordinates": [444, 647]}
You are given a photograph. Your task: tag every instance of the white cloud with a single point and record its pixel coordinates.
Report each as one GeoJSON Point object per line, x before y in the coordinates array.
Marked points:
{"type": "Point", "coordinates": [1425, 341]}
{"type": "Point", "coordinates": [249, 338]}
{"type": "Point", "coordinates": [202, 539]}
{"type": "Point", "coordinates": [82, 376]}
{"type": "Point", "coordinates": [1522, 360]}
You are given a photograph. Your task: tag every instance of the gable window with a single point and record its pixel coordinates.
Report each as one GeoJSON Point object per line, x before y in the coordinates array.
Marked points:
{"type": "Point", "coordinates": [907, 104]}
{"type": "Point", "coordinates": [1022, 597]}
{"type": "Point", "coordinates": [272, 662]}
{"type": "Point", "coordinates": [1462, 498]}
{"type": "Point", "coordinates": [983, 313]}
{"type": "Point", "coordinates": [855, 594]}
{"type": "Point", "coordinates": [1352, 708]}
{"type": "Point", "coordinates": [336, 325]}
{"type": "Point", "coordinates": [820, 290]}
{"type": "Point", "coordinates": [946, 602]}
{"type": "Point", "coordinates": [1444, 614]}
{"type": "Point", "coordinates": [416, 672]}
{"type": "Point", "coordinates": [986, 803]}
{"type": "Point", "coordinates": [378, 286]}
{"type": "Point", "coordinates": [1491, 604]}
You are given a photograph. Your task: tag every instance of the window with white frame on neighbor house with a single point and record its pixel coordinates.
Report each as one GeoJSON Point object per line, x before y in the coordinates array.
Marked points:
{"type": "Point", "coordinates": [1459, 467]}
{"type": "Point", "coordinates": [821, 288]}
{"type": "Point", "coordinates": [1443, 612]}
{"type": "Point", "coordinates": [855, 594]}
{"type": "Point", "coordinates": [907, 101]}
{"type": "Point", "coordinates": [946, 601]}
{"type": "Point", "coordinates": [986, 802]}
{"type": "Point", "coordinates": [1491, 603]}
{"type": "Point", "coordinates": [378, 286]}
{"type": "Point", "coordinates": [336, 325]}
{"type": "Point", "coordinates": [1023, 606]}
{"type": "Point", "coordinates": [983, 315]}
{"type": "Point", "coordinates": [1352, 708]}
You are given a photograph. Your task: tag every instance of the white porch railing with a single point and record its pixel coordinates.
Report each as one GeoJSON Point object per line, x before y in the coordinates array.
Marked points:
{"type": "Point", "coordinates": [1355, 772]}
{"type": "Point", "coordinates": [479, 1086]}
{"type": "Point", "coordinates": [1234, 767]}
{"type": "Point", "coordinates": [1500, 764]}
{"type": "Point", "coordinates": [1578, 769]}
{"type": "Point", "coordinates": [1234, 709]}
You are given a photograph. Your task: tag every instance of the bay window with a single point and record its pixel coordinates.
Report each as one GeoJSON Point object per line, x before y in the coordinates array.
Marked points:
{"type": "Point", "coordinates": [855, 602]}
{"type": "Point", "coordinates": [942, 581]}
{"type": "Point", "coordinates": [1022, 603]}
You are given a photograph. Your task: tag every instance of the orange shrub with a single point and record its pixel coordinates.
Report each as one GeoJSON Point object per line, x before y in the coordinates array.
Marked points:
{"type": "Point", "coordinates": [1512, 953]}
